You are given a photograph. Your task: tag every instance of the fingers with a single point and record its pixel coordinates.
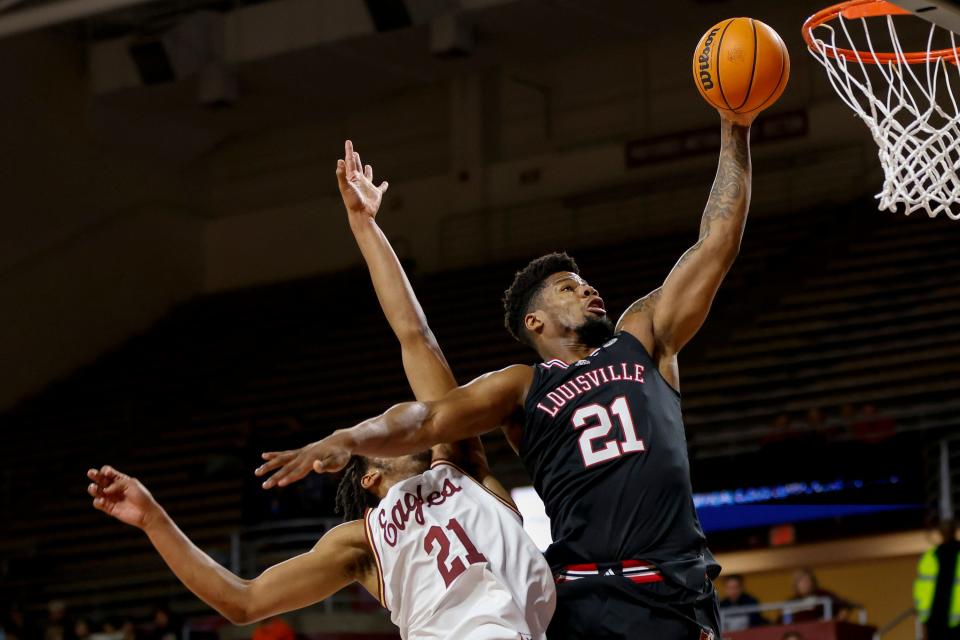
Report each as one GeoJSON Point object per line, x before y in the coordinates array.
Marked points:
{"type": "Point", "coordinates": [107, 483]}
{"type": "Point", "coordinates": [106, 476]}
{"type": "Point", "coordinates": [341, 174]}
{"type": "Point", "coordinates": [290, 465]}
{"type": "Point", "coordinates": [348, 156]}
{"type": "Point", "coordinates": [384, 186]}
{"type": "Point", "coordinates": [283, 462]}
{"type": "Point", "coordinates": [368, 172]}
{"type": "Point", "coordinates": [357, 165]}
{"type": "Point", "coordinates": [290, 472]}
{"type": "Point", "coordinates": [274, 460]}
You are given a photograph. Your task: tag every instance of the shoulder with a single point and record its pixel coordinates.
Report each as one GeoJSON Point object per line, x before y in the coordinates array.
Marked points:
{"type": "Point", "coordinates": [488, 484]}
{"type": "Point", "coordinates": [637, 320]}
{"type": "Point", "coordinates": [516, 377]}
{"type": "Point", "coordinates": [349, 547]}
{"type": "Point", "coordinates": [346, 536]}
{"type": "Point", "coordinates": [516, 373]}
{"type": "Point", "coordinates": [514, 381]}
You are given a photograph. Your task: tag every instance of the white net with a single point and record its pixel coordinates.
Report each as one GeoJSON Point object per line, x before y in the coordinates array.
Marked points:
{"type": "Point", "coordinates": [908, 104]}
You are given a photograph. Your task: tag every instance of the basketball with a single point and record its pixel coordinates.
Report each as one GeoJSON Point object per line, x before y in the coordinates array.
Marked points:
{"type": "Point", "coordinates": [741, 65]}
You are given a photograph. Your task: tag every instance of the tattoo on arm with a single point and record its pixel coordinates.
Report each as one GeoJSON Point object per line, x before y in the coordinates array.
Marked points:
{"type": "Point", "coordinates": [730, 190]}
{"type": "Point", "coordinates": [730, 187]}
{"type": "Point", "coordinates": [644, 304]}
{"type": "Point", "coordinates": [723, 217]}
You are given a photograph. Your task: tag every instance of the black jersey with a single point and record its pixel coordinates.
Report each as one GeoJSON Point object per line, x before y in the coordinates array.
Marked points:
{"type": "Point", "coordinates": [604, 442]}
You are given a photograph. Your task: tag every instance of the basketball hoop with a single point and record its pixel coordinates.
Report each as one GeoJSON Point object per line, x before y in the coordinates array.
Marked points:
{"type": "Point", "coordinates": [905, 98]}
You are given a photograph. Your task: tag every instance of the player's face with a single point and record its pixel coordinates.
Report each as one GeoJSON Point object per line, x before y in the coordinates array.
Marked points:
{"type": "Point", "coordinates": [571, 301]}
{"type": "Point", "coordinates": [568, 304]}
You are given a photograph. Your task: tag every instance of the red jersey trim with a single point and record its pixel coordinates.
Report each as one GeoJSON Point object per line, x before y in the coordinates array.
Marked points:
{"type": "Point", "coordinates": [478, 483]}
{"type": "Point", "coordinates": [636, 571]}
{"type": "Point", "coordinates": [382, 595]}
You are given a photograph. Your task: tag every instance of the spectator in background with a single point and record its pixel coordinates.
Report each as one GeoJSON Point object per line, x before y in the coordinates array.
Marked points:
{"type": "Point", "coordinates": [162, 626]}
{"type": "Point", "coordinates": [55, 627]}
{"type": "Point", "coordinates": [848, 415]}
{"type": "Point", "coordinates": [15, 625]}
{"type": "Point", "coordinates": [780, 430]}
{"type": "Point", "coordinates": [735, 596]}
{"type": "Point", "coordinates": [81, 629]}
{"type": "Point", "coordinates": [872, 427]}
{"type": "Point", "coordinates": [274, 629]}
{"type": "Point", "coordinates": [805, 586]}
{"type": "Point", "coordinates": [108, 631]}
{"type": "Point", "coordinates": [936, 591]}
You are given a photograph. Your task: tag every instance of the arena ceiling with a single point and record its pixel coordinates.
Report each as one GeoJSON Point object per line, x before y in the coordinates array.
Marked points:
{"type": "Point", "coordinates": [328, 78]}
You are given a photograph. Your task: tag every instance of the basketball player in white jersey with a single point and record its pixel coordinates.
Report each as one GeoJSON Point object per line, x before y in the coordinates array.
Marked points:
{"type": "Point", "coordinates": [440, 545]}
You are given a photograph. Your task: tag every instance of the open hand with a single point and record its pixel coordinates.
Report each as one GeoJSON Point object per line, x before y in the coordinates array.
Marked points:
{"type": "Point", "coordinates": [360, 195]}
{"type": "Point", "coordinates": [121, 496]}
{"type": "Point", "coordinates": [325, 456]}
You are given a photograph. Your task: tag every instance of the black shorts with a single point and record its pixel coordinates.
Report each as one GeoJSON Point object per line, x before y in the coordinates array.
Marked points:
{"type": "Point", "coordinates": [611, 608]}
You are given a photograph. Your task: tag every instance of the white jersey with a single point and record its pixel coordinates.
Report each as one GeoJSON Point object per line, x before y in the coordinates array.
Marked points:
{"type": "Point", "coordinates": [455, 562]}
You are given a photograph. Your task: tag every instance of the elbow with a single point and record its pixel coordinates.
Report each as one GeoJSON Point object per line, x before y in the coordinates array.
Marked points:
{"type": "Point", "coordinates": [731, 243]}
{"type": "Point", "coordinates": [414, 333]}
{"type": "Point", "coordinates": [238, 609]}
{"type": "Point", "coordinates": [237, 615]}
{"type": "Point", "coordinates": [727, 248]}
{"type": "Point", "coordinates": [733, 252]}
{"type": "Point", "coordinates": [431, 428]}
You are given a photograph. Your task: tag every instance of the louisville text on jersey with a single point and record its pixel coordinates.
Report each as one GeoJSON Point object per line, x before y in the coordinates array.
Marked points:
{"type": "Point", "coordinates": [411, 504]}
{"type": "Point", "coordinates": [556, 399]}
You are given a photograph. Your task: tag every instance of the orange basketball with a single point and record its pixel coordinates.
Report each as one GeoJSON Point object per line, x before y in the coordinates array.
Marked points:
{"type": "Point", "coordinates": [741, 65]}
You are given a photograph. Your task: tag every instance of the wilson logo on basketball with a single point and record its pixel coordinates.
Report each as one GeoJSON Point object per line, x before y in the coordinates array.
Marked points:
{"type": "Point", "coordinates": [704, 60]}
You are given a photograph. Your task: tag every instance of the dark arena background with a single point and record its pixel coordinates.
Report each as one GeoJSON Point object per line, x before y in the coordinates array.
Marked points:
{"type": "Point", "coordinates": [180, 290]}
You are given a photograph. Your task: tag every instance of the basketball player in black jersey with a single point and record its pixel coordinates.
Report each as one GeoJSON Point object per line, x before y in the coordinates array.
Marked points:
{"type": "Point", "coordinates": [598, 426]}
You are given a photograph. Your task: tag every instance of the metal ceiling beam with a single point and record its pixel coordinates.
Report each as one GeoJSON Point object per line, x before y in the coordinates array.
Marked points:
{"type": "Point", "coordinates": [57, 13]}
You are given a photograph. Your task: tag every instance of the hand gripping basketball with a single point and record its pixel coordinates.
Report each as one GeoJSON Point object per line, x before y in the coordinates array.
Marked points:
{"type": "Point", "coordinates": [741, 67]}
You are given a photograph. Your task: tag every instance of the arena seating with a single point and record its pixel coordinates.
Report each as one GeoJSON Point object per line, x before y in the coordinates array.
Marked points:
{"type": "Point", "coordinates": [182, 406]}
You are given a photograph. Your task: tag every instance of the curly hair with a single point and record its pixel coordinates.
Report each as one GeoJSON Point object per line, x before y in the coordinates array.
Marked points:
{"type": "Point", "coordinates": [352, 499]}
{"type": "Point", "coordinates": [527, 283]}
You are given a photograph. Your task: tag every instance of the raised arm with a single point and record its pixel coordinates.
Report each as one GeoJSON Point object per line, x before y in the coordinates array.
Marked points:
{"type": "Point", "coordinates": [341, 557]}
{"type": "Point", "coordinates": [423, 361]}
{"type": "Point", "coordinates": [666, 319]}
{"type": "Point", "coordinates": [424, 364]}
{"type": "Point", "coordinates": [484, 404]}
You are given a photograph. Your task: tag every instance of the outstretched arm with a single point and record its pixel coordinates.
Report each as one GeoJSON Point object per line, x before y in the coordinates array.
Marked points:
{"type": "Point", "coordinates": [423, 361]}
{"type": "Point", "coordinates": [341, 557]}
{"type": "Point", "coordinates": [424, 364]}
{"type": "Point", "coordinates": [489, 401]}
{"type": "Point", "coordinates": [666, 319]}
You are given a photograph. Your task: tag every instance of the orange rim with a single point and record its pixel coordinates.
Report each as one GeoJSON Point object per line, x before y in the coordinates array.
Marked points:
{"type": "Point", "coordinates": [853, 9]}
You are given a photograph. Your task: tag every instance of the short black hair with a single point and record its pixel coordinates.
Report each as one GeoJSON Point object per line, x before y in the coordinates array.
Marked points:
{"type": "Point", "coordinates": [733, 576]}
{"type": "Point", "coordinates": [527, 283]}
{"type": "Point", "coordinates": [352, 499]}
